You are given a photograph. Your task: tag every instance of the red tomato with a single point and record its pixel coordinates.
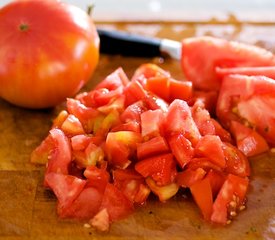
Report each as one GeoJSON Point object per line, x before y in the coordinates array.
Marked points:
{"type": "Point", "coordinates": [46, 55]}
{"type": "Point", "coordinates": [248, 140]}
{"type": "Point", "coordinates": [201, 56]}
{"type": "Point", "coordinates": [249, 99]}
{"type": "Point", "coordinates": [202, 193]}
{"type": "Point", "coordinates": [188, 177]}
{"type": "Point", "coordinates": [229, 200]}
{"type": "Point", "coordinates": [249, 71]}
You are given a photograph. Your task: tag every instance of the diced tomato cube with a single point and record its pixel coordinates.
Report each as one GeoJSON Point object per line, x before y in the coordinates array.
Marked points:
{"type": "Point", "coordinates": [181, 148]}
{"type": "Point", "coordinates": [180, 90]}
{"type": "Point", "coordinates": [159, 86]}
{"type": "Point", "coordinates": [134, 92]}
{"type": "Point", "coordinates": [151, 123]}
{"type": "Point", "coordinates": [202, 193]}
{"type": "Point", "coordinates": [154, 146]}
{"type": "Point", "coordinates": [248, 140]}
{"type": "Point", "coordinates": [133, 112]}
{"type": "Point", "coordinates": [211, 147]}
{"type": "Point", "coordinates": [161, 168]}
{"type": "Point", "coordinates": [188, 177]}
{"type": "Point", "coordinates": [179, 120]}
{"type": "Point", "coordinates": [216, 180]}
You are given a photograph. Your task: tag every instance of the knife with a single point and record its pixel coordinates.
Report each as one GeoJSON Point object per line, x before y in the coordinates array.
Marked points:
{"type": "Point", "coordinates": [127, 44]}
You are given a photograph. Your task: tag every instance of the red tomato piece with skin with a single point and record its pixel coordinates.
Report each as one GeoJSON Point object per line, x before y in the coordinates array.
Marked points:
{"type": "Point", "coordinates": [131, 126]}
{"type": "Point", "coordinates": [97, 177]}
{"type": "Point", "coordinates": [202, 55]}
{"type": "Point", "coordinates": [40, 68]}
{"type": "Point", "coordinates": [159, 86]}
{"type": "Point", "coordinates": [202, 193]}
{"type": "Point", "coordinates": [115, 80]}
{"type": "Point", "coordinates": [72, 126]}
{"type": "Point", "coordinates": [153, 102]}
{"type": "Point", "coordinates": [151, 123]}
{"type": "Point", "coordinates": [80, 142]}
{"type": "Point", "coordinates": [250, 99]}
{"type": "Point", "coordinates": [179, 120]}
{"type": "Point", "coordinates": [211, 147]}
{"type": "Point", "coordinates": [224, 135]}
{"type": "Point", "coordinates": [189, 176]}
{"type": "Point", "coordinates": [41, 154]}
{"type": "Point", "coordinates": [149, 70]}
{"type": "Point", "coordinates": [204, 163]}
{"type": "Point", "coordinates": [202, 119]}
{"type": "Point", "coordinates": [216, 180]}
{"type": "Point", "coordinates": [116, 203]}
{"type": "Point", "coordinates": [134, 92]}
{"type": "Point", "coordinates": [248, 140]}
{"type": "Point", "coordinates": [236, 162]}
{"type": "Point", "coordinates": [161, 168]}
{"type": "Point", "coordinates": [229, 200]}
{"type": "Point", "coordinates": [65, 187]}
{"type": "Point", "coordinates": [181, 148]}
{"type": "Point", "coordinates": [84, 207]}
{"type": "Point", "coordinates": [164, 193]}
{"type": "Point", "coordinates": [60, 156]}
{"type": "Point", "coordinates": [180, 90]}
{"type": "Point", "coordinates": [152, 147]}
{"type": "Point", "coordinates": [268, 71]}
{"type": "Point", "coordinates": [133, 112]}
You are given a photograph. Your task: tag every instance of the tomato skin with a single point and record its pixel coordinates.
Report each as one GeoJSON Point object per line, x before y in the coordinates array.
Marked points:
{"type": "Point", "coordinates": [46, 55]}
{"type": "Point", "coordinates": [249, 99]}
{"type": "Point", "coordinates": [201, 55]}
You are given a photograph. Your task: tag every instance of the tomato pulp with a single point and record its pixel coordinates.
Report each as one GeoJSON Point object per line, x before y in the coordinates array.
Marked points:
{"type": "Point", "coordinates": [49, 50]}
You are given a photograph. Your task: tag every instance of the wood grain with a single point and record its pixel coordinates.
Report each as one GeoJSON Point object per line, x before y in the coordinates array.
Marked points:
{"type": "Point", "coordinates": [28, 211]}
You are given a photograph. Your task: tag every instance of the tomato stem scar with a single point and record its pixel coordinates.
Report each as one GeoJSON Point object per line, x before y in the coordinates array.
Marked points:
{"type": "Point", "coordinates": [23, 27]}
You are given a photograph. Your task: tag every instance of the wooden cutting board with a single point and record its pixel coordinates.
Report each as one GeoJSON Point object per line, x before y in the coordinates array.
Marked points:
{"type": "Point", "coordinates": [28, 211]}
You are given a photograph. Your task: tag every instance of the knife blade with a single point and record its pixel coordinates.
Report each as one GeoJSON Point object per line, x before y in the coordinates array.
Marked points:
{"type": "Point", "coordinates": [128, 44]}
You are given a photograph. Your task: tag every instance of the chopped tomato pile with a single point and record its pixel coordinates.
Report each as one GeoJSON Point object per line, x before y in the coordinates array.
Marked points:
{"type": "Point", "coordinates": [126, 139]}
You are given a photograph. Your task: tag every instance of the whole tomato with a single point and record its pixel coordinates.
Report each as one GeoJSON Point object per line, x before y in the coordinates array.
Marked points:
{"type": "Point", "coordinates": [48, 51]}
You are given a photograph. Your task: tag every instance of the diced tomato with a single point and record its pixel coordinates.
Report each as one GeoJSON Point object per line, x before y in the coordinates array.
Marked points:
{"type": "Point", "coordinates": [97, 177]}
{"type": "Point", "coordinates": [216, 180]}
{"type": "Point", "coordinates": [72, 126]}
{"type": "Point", "coordinates": [248, 140]}
{"type": "Point", "coordinates": [236, 162]}
{"type": "Point", "coordinates": [209, 99]}
{"type": "Point", "coordinates": [60, 156]}
{"type": "Point", "coordinates": [224, 135]}
{"type": "Point", "coordinates": [101, 220]}
{"type": "Point", "coordinates": [202, 119]}
{"type": "Point", "coordinates": [201, 56]}
{"type": "Point", "coordinates": [163, 192]}
{"type": "Point", "coordinates": [86, 115]}
{"type": "Point", "coordinates": [202, 193]}
{"type": "Point", "coordinates": [65, 187]}
{"type": "Point", "coordinates": [80, 142]}
{"type": "Point", "coordinates": [41, 153]}
{"type": "Point", "coordinates": [249, 99]}
{"type": "Point", "coordinates": [149, 70]}
{"type": "Point", "coordinates": [268, 71]}
{"type": "Point", "coordinates": [211, 147]}
{"type": "Point", "coordinates": [161, 168]}
{"type": "Point", "coordinates": [154, 146]}
{"type": "Point", "coordinates": [61, 117]}
{"type": "Point", "coordinates": [159, 86]}
{"type": "Point", "coordinates": [84, 207]}
{"type": "Point", "coordinates": [230, 199]}
{"type": "Point", "coordinates": [151, 123]}
{"type": "Point", "coordinates": [180, 90]}
{"type": "Point", "coordinates": [133, 112]}
{"type": "Point", "coordinates": [116, 104]}
{"type": "Point", "coordinates": [153, 102]}
{"type": "Point", "coordinates": [188, 177]}
{"type": "Point", "coordinates": [181, 148]}
{"type": "Point", "coordinates": [131, 126]}
{"type": "Point", "coordinates": [204, 163]}
{"type": "Point", "coordinates": [115, 80]}
{"type": "Point", "coordinates": [179, 120]}
{"type": "Point", "coordinates": [120, 145]}
{"type": "Point", "coordinates": [134, 92]}
{"type": "Point", "coordinates": [117, 205]}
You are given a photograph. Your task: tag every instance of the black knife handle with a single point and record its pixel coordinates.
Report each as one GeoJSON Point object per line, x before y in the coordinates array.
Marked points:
{"type": "Point", "coordinates": [126, 44]}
